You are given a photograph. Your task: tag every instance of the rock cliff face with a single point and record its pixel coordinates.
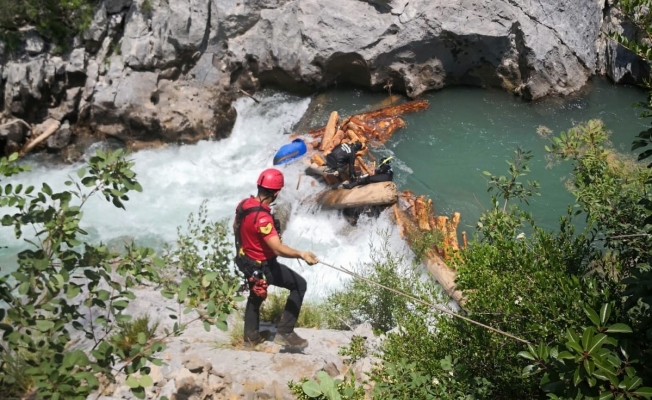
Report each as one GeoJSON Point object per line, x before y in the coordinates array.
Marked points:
{"type": "Point", "coordinates": [167, 70]}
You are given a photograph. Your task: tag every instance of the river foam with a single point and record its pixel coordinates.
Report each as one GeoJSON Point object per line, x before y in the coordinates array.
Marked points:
{"type": "Point", "coordinates": [176, 179]}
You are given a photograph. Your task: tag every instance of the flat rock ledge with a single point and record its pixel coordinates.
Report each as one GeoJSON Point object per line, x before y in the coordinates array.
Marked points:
{"type": "Point", "coordinates": [200, 365]}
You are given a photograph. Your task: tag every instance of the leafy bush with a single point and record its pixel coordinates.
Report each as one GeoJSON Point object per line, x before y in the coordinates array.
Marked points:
{"type": "Point", "coordinates": [313, 314]}
{"type": "Point", "coordinates": [356, 350]}
{"type": "Point", "coordinates": [59, 290]}
{"type": "Point", "coordinates": [531, 286]}
{"type": "Point", "coordinates": [405, 380]}
{"type": "Point", "coordinates": [57, 20]}
{"type": "Point", "coordinates": [200, 269]}
{"type": "Point", "coordinates": [132, 332]}
{"type": "Point", "coordinates": [66, 289]}
{"type": "Point", "coordinates": [327, 388]}
{"type": "Point", "coordinates": [594, 364]}
{"type": "Point", "coordinates": [358, 301]}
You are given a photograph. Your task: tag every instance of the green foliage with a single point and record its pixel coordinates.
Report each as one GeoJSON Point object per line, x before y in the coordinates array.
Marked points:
{"type": "Point", "coordinates": [146, 6]}
{"type": "Point", "coordinates": [595, 364]}
{"type": "Point", "coordinates": [355, 351]}
{"type": "Point", "coordinates": [405, 380]}
{"type": "Point", "coordinates": [359, 301]}
{"type": "Point", "coordinates": [64, 289]}
{"type": "Point", "coordinates": [327, 388]}
{"type": "Point", "coordinates": [57, 20]}
{"type": "Point", "coordinates": [638, 12]}
{"type": "Point", "coordinates": [313, 314]}
{"type": "Point", "coordinates": [614, 192]}
{"type": "Point", "coordinates": [502, 223]}
{"type": "Point", "coordinates": [202, 262]}
{"type": "Point", "coordinates": [134, 332]}
{"type": "Point", "coordinates": [509, 187]}
{"type": "Point", "coordinates": [425, 241]}
{"type": "Point", "coordinates": [531, 285]}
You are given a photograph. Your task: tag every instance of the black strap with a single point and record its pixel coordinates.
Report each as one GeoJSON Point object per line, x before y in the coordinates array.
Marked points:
{"type": "Point", "coordinates": [240, 215]}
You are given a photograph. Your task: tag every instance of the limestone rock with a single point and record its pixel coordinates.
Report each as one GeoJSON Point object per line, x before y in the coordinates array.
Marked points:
{"type": "Point", "coordinates": [34, 43]}
{"type": "Point", "coordinates": [195, 364]}
{"type": "Point", "coordinates": [331, 369]}
{"type": "Point", "coordinates": [167, 70]}
{"type": "Point", "coordinates": [61, 138]}
{"type": "Point", "coordinates": [95, 33]}
{"type": "Point", "coordinates": [16, 132]}
{"type": "Point", "coordinates": [169, 390]}
{"type": "Point", "coordinates": [115, 6]}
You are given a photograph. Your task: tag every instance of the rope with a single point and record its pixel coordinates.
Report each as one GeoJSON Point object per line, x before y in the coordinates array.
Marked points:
{"type": "Point", "coordinates": [433, 306]}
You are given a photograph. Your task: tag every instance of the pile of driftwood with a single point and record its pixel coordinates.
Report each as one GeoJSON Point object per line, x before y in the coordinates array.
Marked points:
{"type": "Point", "coordinates": [414, 215]}
{"type": "Point", "coordinates": [374, 127]}
{"type": "Point", "coordinates": [416, 220]}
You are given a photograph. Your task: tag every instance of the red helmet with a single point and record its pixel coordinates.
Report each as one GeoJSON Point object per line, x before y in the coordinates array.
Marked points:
{"type": "Point", "coordinates": [271, 179]}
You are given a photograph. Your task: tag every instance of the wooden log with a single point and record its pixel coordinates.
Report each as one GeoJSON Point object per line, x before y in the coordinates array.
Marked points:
{"type": "Point", "coordinates": [421, 211]}
{"type": "Point", "coordinates": [317, 132]}
{"type": "Point", "coordinates": [373, 194]}
{"type": "Point", "coordinates": [452, 231]}
{"type": "Point", "coordinates": [345, 123]}
{"type": "Point", "coordinates": [299, 181]}
{"type": "Point", "coordinates": [369, 130]}
{"type": "Point", "coordinates": [317, 159]}
{"type": "Point", "coordinates": [431, 214]}
{"type": "Point", "coordinates": [331, 129]}
{"type": "Point", "coordinates": [355, 138]}
{"type": "Point", "coordinates": [315, 170]}
{"type": "Point", "coordinates": [440, 224]}
{"type": "Point", "coordinates": [445, 276]}
{"type": "Point", "coordinates": [336, 140]}
{"type": "Point", "coordinates": [53, 126]}
{"type": "Point", "coordinates": [442, 273]}
{"type": "Point", "coordinates": [464, 239]}
{"type": "Point", "coordinates": [17, 120]}
{"type": "Point", "coordinates": [363, 166]}
{"type": "Point", "coordinates": [393, 111]}
{"type": "Point", "coordinates": [399, 221]}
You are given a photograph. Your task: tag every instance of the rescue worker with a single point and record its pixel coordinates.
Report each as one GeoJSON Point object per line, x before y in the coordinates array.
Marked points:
{"type": "Point", "coordinates": [342, 160]}
{"type": "Point", "coordinates": [382, 173]}
{"type": "Point", "coordinates": [258, 245]}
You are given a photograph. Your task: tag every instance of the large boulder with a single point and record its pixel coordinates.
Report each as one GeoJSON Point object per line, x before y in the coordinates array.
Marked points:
{"type": "Point", "coordinates": [528, 47]}
{"type": "Point", "coordinates": [168, 69]}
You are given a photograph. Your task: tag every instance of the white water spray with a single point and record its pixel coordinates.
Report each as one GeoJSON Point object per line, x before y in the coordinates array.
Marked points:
{"type": "Point", "coordinates": [176, 179]}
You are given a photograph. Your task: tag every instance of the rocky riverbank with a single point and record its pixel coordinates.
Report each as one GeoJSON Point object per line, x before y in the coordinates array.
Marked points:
{"type": "Point", "coordinates": [202, 365]}
{"type": "Point", "coordinates": [152, 71]}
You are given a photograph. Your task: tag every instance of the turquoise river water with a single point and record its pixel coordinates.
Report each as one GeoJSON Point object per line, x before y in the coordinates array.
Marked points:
{"type": "Point", "coordinates": [441, 153]}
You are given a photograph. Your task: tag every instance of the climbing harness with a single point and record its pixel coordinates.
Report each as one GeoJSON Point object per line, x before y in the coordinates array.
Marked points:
{"type": "Point", "coordinates": [258, 284]}
{"type": "Point", "coordinates": [254, 278]}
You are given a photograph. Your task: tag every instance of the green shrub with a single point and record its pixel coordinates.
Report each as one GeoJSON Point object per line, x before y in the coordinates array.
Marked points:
{"type": "Point", "coordinates": [359, 301]}
{"type": "Point", "coordinates": [56, 20]}
{"type": "Point", "coordinates": [327, 388]}
{"type": "Point", "coordinates": [314, 314]}
{"type": "Point", "coordinates": [44, 307]}
{"type": "Point", "coordinates": [130, 333]}
{"type": "Point", "coordinates": [355, 351]}
{"type": "Point", "coordinates": [425, 242]}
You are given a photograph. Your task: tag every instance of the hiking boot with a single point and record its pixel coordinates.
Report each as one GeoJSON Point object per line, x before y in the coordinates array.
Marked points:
{"type": "Point", "coordinates": [262, 337]}
{"type": "Point", "coordinates": [291, 340]}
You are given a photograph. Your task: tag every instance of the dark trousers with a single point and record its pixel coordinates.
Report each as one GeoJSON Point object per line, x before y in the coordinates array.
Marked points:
{"type": "Point", "coordinates": [277, 275]}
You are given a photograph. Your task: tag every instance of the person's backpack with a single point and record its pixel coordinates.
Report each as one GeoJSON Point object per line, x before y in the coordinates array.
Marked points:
{"type": "Point", "coordinates": [241, 213]}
